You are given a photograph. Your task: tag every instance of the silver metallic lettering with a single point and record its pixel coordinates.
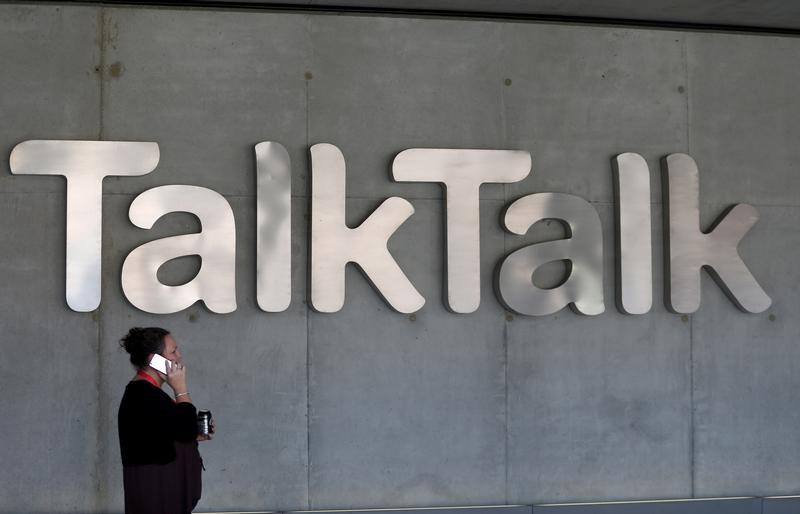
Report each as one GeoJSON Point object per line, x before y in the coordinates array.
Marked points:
{"type": "Point", "coordinates": [273, 227]}
{"type": "Point", "coordinates": [461, 173]}
{"type": "Point", "coordinates": [216, 245]}
{"type": "Point", "coordinates": [688, 249]}
{"type": "Point", "coordinates": [84, 164]}
{"type": "Point", "coordinates": [583, 289]}
{"type": "Point", "coordinates": [333, 244]}
{"type": "Point", "coordinates": [634, 248]}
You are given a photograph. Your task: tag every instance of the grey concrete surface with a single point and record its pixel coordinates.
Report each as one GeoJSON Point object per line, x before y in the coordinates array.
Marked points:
{"type": "Point", "coordinates": [742, 90]}
{"type": "Point", "coordinates": [394, 83]}
{"type": "Point", "coordinates": [49, 398]}
{"type": "Point", "coordinates": [598, 414]}
{"type": "Point", "coordinates": [578, 96]}
{"type": "Point", "coordinates": [50, 89]}
{"type": "Point", "coordinates": [196, 81]}
{"type": "Point", "coordinates": [746, 409]}
{"type": "Point", "coordinates": [367, 408]}
{"type": "Point", "coordinates": [407, 410]}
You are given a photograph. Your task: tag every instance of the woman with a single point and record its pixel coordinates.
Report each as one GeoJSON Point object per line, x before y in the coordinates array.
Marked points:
{"type": "Point", "coordinates": [158, 435]}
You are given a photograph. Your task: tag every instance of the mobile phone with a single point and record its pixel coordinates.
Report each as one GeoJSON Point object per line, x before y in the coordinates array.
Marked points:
{"type": "Point", "coordinates": [159, 363]}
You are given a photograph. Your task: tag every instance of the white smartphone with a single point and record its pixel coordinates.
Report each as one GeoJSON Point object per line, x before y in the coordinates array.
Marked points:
{"type": "Point", "coordinates": [159, 363]}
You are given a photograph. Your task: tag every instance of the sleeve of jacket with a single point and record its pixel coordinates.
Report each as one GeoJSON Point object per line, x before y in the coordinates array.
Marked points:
{"type": "Point", "coordinates": [184, 423]}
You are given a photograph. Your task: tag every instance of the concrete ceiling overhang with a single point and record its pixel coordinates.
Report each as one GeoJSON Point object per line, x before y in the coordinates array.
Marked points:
{"type": "Point", "coordinates": [780, 16]}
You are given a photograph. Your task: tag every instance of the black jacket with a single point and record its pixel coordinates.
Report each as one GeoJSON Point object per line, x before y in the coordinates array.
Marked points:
{"type": "Point", "coordinates": [150, 422]}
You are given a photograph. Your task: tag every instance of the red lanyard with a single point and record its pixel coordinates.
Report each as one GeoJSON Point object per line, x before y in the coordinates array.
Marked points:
{"type": "Point", "coordinates": [147, 377]}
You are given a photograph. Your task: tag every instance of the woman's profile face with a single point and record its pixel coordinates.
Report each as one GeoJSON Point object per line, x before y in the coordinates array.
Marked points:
{"type": "Point", "coordinates": [171, 352]}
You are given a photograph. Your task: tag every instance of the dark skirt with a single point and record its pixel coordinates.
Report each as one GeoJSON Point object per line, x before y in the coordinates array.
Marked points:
{"type": "Point", "coordinates": [172, 488]}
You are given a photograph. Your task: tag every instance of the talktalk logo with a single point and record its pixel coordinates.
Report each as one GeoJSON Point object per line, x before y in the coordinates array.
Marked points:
{"type": "Point", "coordinates": [334, 244]}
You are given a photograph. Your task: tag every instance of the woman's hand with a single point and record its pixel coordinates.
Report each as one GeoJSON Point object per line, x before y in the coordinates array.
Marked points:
{"type": "Point", "coordinates": [176, 377]}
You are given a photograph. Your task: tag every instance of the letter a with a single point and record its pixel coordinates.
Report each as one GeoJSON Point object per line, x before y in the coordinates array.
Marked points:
{"type": "Point", "coordinates": [215, 244]}
{"type": "Point", "coordinates": [583, 289]}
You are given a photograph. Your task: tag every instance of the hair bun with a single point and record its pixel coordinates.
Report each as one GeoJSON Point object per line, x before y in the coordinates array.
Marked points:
{"type": "Point", "coordinates": [141, 342]}
{"type": "Point", "coordinates": [128, 342]}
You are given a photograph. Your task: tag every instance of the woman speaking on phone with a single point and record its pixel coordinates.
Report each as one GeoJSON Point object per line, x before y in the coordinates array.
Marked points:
{"type": "Point", "coordinates": [158, 434]}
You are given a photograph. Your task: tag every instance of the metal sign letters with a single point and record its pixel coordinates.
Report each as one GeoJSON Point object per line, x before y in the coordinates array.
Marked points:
{"type": "Point", "coordinates": [333, 244]}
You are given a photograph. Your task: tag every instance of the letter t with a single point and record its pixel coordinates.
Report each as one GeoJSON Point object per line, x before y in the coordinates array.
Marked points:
{"type": "Point", "coordinates": [462, 172]}
{"type": "Point", "coordinates": [84, 164]}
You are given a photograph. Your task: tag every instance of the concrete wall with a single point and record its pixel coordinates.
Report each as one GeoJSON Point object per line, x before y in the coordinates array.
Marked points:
{"type": "Point", "coordinates": [367, 407]}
